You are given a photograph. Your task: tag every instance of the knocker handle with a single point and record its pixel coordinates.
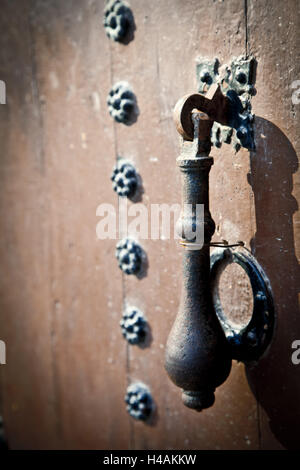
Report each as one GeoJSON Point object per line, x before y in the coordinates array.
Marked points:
{"type": "Point", "coordinates": [197, 353]}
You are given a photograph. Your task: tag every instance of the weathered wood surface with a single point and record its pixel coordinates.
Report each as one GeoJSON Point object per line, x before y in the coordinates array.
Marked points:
{"type": "Point", "coordinates": [275, 184]}
{"type": "Point", "coordinates": [61, 290]}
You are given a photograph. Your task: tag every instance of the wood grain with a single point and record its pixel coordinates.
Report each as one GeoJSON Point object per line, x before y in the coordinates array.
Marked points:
{"type": "Point", "coordinates": [61, 291]}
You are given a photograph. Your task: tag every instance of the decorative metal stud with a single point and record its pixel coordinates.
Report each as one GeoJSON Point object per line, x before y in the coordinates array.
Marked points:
{"type": "Point", "coordinates": [236, 82]}
{"type": "Point", "coordinates": [121, 102]}
{"type": "Point", "coordinates": [139, 401]}
{"type": "Point", "coordinates": [129, 255]}
{"type": "Point", "coordinates": [124, 178]}
{"type": "Point", "coordinates": [117, 19]}
{"type": "Point", "coordinates": [206, 73]}
{"type": "Point", "coordinates": [241, 76]}
{"type": "Point", "coordinates": [134, 325]}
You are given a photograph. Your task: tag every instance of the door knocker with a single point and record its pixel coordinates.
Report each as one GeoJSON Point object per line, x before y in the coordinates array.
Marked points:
{"type": "Point", "coordinates": [202, 342]}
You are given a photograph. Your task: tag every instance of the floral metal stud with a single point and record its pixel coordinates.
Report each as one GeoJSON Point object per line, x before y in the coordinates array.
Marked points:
{"type": "Point", "coordinates": [133, 325]}
{"type": "Point", "coordinates": [129, 255]}
{"type": "Point", "coordinates": [121, 102]}
{"type": "Point", "coordinates": [117, 19]}
{"type": "Point", "coordinates": [139, 401]}
{"type": "Point", "coordinates": [124, 178]}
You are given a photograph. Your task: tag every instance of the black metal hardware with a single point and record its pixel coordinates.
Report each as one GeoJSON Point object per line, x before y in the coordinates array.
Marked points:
{"type": "Point", "coordinates": [198, 354]}
{"type": "Point", "coordinates": [236, 82]}
{"type": "Point", "coordinates": [124, 178]}
{"type": "Point", "coordinates": [129, 255]}
{"type": "Point", "coordinates": [117, 19]}
{"type": "Point", "coordinates": [248, 343]}
{"type": "Point", "coordinates": [206, 71]}
{"type": "Point", "coordinates": [139, 401]}
{"type": "Point", "coordinates": [121, 102]}
{"type": "Point", "coordinates": [134, 325]}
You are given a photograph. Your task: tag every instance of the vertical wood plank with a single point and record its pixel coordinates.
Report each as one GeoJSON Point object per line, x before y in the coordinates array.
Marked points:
{"type": "Point", "coordinates": [66, 373]}
{"type": "Point", "coordinates": [61, 290]}
{"type": "Point", "coordinates": [30, 410]}
{"type": "Point", "coordinates": [275, 182]}
{"type": "Point", "coordinates": [160, 66]}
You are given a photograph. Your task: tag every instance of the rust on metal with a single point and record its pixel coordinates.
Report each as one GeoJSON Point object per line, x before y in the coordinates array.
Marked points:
{"type": "Point", "coordinates": [214, 104]}
{"type": "Point", "coordinates": [197, 353]}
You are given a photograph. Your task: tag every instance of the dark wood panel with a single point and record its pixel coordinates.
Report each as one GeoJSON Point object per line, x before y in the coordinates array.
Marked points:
{"type": "Point", "coordinates": [61, 291]}
{"type": "Point", "coordinates": [66, 369]}
{"type": "Point", "coordinates": [30, 407]}
{"type": "Point", "coordinates": [161, 71]}
{"type": "Point", "coordinates": [275, 183]}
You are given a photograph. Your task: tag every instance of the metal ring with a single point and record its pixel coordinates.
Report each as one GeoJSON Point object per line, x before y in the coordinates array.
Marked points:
{"type": "Point", "coordinates": [248, 343]}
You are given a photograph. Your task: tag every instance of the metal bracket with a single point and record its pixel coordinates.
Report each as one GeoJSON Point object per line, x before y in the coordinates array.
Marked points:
{"type": "Point", "coordinates": [249, 342]}
{"type": "Point", "coordinates": [236, 82]}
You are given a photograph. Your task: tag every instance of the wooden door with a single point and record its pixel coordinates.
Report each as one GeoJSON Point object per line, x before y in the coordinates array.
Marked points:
{"type": "Point", "coordinates": [62, 293]}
